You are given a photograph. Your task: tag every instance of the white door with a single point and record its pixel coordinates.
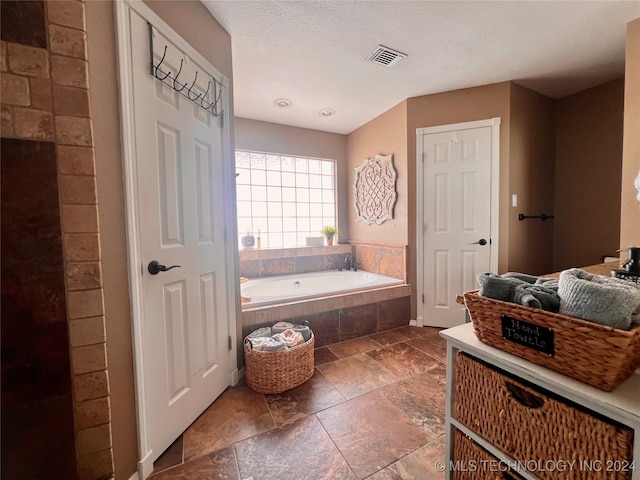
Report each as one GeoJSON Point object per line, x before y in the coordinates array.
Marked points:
{"type": "Point", "coordinates": [456, 208]}
{"type": "Point", "coordinates": [179, 156]}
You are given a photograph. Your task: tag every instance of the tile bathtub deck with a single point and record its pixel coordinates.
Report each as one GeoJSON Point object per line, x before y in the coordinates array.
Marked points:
{"type": "Point", "coordinates": [373, 409]}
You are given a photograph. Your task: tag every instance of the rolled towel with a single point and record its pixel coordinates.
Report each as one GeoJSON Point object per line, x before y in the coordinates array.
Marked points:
{"type": "Point", "coordinates": [281, 327]}
{"type": "Point", "coordinates": [261, 332]}
{"type": "Point", "coordinates": [537, 296]}
{"type": "Point", "coordinates": [605, 300]}
{"type": "Point", "coordinates": [291, 338]}
{"type": "Point", "coordinates": [268, 344]}
{"type": "Point", "coordinates": [498, 287]}
{"type": "Point", "coordinates": [304, 330]}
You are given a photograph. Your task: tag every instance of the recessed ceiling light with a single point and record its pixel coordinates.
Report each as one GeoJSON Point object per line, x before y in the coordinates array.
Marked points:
{"type": "Point", "coordinates": [327, 112]}
{"type": "Point", "coordinates": [282, 102]}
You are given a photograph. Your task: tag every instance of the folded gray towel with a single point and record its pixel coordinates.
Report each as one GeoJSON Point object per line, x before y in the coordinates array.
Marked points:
{"type": "Point", "coordinates": [261, 332]}
{"type": "Point", "coordinates": [525, 277]}
{"type": "Point", "coordinates": [268, 344]}
{"type": "Point", "coordinates": [551, 283]}
{"type": "Point", "coordinates": [498, 287]}
{"type": "Point", "coordinates": [605, 300]}
{"type": "Point", "coordinates": [304, 330]}
{"type": "Point", "coordinates": [537, 296]}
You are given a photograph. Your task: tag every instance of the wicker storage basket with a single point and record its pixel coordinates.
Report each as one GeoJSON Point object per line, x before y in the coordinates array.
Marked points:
{"type": "Point", "coordinates": [595, 354]}
{"type": "Point", "coordinates": [277, 372]}
{"type": "Point", "coordinates": [472, 462]}
{"type": "Point", "coordinates": [528, 425]}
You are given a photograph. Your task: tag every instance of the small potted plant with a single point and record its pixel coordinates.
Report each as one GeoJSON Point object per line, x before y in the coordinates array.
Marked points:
{"type": "Point", "coordinates": [329, 232]}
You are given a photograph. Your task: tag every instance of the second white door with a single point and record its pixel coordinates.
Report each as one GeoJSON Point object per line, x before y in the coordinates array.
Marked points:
{"type": "Point", "coordinates": [456, 219]}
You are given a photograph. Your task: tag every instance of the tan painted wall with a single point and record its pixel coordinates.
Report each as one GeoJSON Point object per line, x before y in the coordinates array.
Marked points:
{"type": "Point", "coordinates": [282, 139]}
{"type": "Point", "coordinates": [588, 171]}
{"type": "Point", "coordinates": [630, 214]}
{"type": "Point", "coordinates": [531, 177]}
{"type": "Point", "coordinates": [384, 135]}
{"type": "Point", "coordinates": [104, 103]}
{"type": "Point", "coordinates": [194, 23]}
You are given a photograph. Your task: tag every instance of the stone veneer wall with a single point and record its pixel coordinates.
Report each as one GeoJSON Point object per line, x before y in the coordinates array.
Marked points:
{"type": "Point", "coordinates": [45, 98]}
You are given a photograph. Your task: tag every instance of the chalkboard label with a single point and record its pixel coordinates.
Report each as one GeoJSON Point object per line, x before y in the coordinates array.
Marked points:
{"type": "Point", "coordinates": [528, 334]}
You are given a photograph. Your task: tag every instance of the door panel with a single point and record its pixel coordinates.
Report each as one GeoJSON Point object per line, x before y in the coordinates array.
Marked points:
{"type": "Point", "coordinates": [456, 209]}
{"type": "Point", "coordinates": [179, 155]}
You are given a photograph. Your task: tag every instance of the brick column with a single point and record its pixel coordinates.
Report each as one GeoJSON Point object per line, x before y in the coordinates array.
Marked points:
{"type": "Point", "coordinates": [45, 96]}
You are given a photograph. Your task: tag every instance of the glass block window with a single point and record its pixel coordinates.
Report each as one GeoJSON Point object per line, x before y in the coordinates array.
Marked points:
{"type": "Point", "coordinates": [284, 199]}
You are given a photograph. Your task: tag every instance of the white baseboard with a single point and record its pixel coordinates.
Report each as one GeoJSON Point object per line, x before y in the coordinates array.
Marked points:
{"type": "Point", "coordinates": [135, 476]}
{"type": "Point", "coordinates": [413, 323]}
{"type": "Point", "coordinates": [236, 376]}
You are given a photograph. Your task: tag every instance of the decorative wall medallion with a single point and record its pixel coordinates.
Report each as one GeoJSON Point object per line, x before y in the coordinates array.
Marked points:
{"type": "Point", "coordinates": [374, 190]}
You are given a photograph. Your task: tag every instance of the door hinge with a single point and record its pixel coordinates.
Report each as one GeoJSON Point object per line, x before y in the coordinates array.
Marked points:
{"type": "Point", "coordinates": [423, 298]}
{"type": "Point", "coordinates": [230, 342]}
{"type": "Point", "coordinates": [224, 234]}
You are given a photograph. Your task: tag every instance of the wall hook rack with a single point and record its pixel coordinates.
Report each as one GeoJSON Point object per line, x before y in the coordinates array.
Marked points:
{"type": "Point", "coordinates": [542, 217]}
{"type": "Point", "coordinates": [190, 93]}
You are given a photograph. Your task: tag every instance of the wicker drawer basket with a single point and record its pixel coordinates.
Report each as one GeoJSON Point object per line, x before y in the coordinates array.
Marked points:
{"type": "Point", "coordinates": [529, 425]}
{"type": "Point", "coordinates": [595, 354]}
{"type": "Point", "coordinates": [472, 462]}
{"type": "Point", "coordinates": [277, 372]}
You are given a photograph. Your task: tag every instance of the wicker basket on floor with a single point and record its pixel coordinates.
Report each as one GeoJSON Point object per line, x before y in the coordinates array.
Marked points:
{"type": "Point", "coordinates": [277, 372]}
{"type": "Point", "coordinates": [595, 354]}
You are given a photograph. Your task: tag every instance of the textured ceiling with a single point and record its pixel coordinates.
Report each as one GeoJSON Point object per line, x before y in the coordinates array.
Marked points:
{"type": "Point", "coordinates": [313, 52]}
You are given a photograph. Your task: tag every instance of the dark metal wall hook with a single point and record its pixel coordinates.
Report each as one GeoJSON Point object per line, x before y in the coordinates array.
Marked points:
{"type": "Point", "coordinates": [191, 87]}
{"type": "Point", "coordinates": [175, 79]}
{"type": "Point", "coordinates": [204, 95]}
{"type": "Point", "coordinates": [155, 69]}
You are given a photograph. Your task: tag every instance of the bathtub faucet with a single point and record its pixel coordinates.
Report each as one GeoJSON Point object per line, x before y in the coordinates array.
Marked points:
{"type": "Point", "coordinates": [347, 263]}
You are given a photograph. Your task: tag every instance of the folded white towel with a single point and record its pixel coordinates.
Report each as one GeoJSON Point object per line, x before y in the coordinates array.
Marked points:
{"type": "Point", "coordinates": [605, 300]}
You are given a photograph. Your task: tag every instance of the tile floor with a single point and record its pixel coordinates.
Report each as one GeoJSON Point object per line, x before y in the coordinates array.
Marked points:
{"type": "Point", "coordinates": [373, 409]}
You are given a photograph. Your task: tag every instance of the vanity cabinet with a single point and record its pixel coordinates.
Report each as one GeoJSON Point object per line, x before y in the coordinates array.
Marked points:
{"type": "Point", "coordinates": [507, 418]}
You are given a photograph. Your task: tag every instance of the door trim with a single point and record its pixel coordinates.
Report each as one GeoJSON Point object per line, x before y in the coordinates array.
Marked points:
{"type": "Point", "coordinates": [135, 265]}
{"type": "Point", "coordinates": [494, 123]}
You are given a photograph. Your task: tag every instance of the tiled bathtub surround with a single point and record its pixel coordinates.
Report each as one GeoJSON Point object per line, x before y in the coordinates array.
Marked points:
{"type": "Point", "coordinates": [339, 317]}
{"type": "Point", "coordinates": [266, 263]}
{"type": "Point", "coordinates": [388, 260]}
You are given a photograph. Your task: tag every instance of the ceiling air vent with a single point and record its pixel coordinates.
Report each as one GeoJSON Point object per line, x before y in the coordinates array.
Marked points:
{"type": "Point", "coordinates": [385, 56]}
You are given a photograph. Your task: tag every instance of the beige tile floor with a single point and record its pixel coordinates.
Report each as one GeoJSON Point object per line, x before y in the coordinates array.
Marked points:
{"type": "Point", "coordinates": [373, 409]}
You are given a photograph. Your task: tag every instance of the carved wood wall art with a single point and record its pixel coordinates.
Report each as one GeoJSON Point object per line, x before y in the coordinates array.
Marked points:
{"type": "Point", "coordinates": [374, 190]}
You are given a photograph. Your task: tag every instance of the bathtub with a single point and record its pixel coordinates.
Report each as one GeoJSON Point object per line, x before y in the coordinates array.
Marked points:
{"type": "Point", "coordinates": [282, 288]}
